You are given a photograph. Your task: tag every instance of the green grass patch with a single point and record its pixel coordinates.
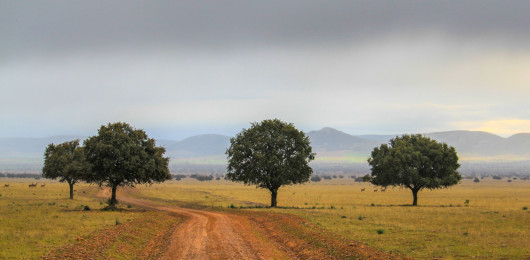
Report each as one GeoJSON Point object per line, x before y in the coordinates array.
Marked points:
{"type": "Point", "coordinates": [31, 225]}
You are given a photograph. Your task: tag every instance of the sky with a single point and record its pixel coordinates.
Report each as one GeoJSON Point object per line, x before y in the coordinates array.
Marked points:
{"type": "Point", "coordinates": [182, 68]}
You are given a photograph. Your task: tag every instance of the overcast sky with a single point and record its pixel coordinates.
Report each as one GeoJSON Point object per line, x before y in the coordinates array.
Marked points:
{"type": "Point", "coordinates": [177, 69]}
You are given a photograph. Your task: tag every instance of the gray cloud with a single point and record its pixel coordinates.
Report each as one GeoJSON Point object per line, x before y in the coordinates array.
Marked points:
{"type": "Point", "coordinates": [183, 68]}
{"type": "Point", "coordinates": [56, 26]}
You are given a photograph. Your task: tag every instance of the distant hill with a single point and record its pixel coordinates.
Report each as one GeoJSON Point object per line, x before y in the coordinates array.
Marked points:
{"type": "Point", "coordinates": [467, 143]}
{"type": "Point", "coordinates": [328, 143]}
{"type": "Point", "coordinates": [197, 146]}
{"type": "Point", "coordinates": [31, 147]}
{"type": "Point", "coordinates": [477, 143]}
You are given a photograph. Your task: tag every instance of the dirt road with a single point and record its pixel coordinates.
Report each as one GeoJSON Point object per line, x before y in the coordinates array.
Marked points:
{"type": "Point", "coordinates": [211, 235]}
{"type": "Point", "coordinates": [202, 234]}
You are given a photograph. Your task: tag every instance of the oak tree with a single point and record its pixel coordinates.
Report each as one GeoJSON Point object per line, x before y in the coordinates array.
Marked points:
{"type": "Point", "coordinates": [270, 154]}
{"type": "Point", "coordinates": [66, 162]}
{"type": "Point", "coordinates": [123, 156]}
{"type": "Point", "coordinates": [415, 162]}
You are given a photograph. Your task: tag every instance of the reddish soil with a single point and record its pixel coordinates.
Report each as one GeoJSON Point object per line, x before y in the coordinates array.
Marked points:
{"type": "Point", "coordinates": [203, 234]}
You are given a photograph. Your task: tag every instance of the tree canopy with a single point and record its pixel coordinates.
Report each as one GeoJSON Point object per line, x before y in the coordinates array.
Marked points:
{"type": "Point", "coordinates": [415, 162]}
{"type": "Point", "coordinates": [66, 162]}
{"type": "Point", "coordinates": [123, 156]}
{"type": "Point", "coordinates": [270, 154]}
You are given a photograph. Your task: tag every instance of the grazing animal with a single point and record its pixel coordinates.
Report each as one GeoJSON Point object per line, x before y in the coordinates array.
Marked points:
{"type": "Point", "coordinates": [42, 185]}
{"type": "Point", "coordinates": [6, 185]}
{"type": "Point", "coordinates": [33, 185]}
{"type": "Point", "coordinates": [375, 190]}
{"type": "Point", "coordinates": [363, 189]}
{"type": "Point", "coordinates": [383, 190]}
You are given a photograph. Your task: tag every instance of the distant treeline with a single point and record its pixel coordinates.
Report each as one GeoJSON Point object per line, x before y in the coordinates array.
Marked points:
{"type": "Point", "coordinates": [485, 169]}
{"type": "Point", "coordinates": [514, 168]}
{"type": "Point", "coordinates": [21, 175]}
{"type": "Point", "coordinates": [214, 169]}
{"type": "Point", "coordinates": [199, 177]}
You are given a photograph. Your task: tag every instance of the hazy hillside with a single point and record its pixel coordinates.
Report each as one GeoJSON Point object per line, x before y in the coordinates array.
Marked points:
{"type": "Point", "coordinates": [331, 145]}
{"type": "Point", "coordinates": [476, 143]}
{"type": "Point", "coordinates": [332, 140]}
{"type": "Point", "coordinates": [197, 146]}
{"type": "Point", "coordinates": [30, 147]}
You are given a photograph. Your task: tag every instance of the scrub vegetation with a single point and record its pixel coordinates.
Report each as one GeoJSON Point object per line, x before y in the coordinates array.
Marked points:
{"type": "Point", "coordinates": [35, 221]}
{"type": "Point", "coordinates": [483, 219]}
{"type": "Point", "coordinates": [488, 219]}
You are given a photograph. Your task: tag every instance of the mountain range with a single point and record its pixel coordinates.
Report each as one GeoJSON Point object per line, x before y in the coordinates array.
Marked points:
{"type": "Point", "coordinates": [326, 142]}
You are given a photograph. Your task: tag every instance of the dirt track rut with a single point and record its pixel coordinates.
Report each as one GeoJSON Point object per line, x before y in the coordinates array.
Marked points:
{"type": "Point", "coordinates": [211, 235]}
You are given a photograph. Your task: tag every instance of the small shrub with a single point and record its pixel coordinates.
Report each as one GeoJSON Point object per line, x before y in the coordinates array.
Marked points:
{"type": "Point", "coordinates": [117, 221]}
{"type": "Point", "coordinates": [232, 206]}
{"type": "Point", "coordinates": [129, 206]}
{"type": "Point", "coordinates": [361, 217]}
{"type": "Point", "coordinates": [331, 207]}
{"type": "Point", "coordinates": [86, 208]}
{"type": "Point", "coordinates": [525, 208]}
{"type": "Point", "coordinates": [466, 203]}
{"type": "Point", "coordinates": [465, 233]}
{"type": "Point", "coordinates": [380, 231]}
{"type": "Point", "coordinates": [313, 207]}
{"type": "Point", "coordinates": [316, 178]}
{"type": "Point", "coordinates": [372, 205]}
{"type": "Point", "coordinates": [342, 216]}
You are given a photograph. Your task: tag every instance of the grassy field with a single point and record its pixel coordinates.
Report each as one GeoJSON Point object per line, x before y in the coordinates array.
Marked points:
{"type": "Point", "coordinates": [34, 221]}
{"type": "Point", "coordinates": [492, 224]}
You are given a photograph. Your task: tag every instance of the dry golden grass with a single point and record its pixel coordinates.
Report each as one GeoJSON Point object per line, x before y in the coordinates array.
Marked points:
{"type": "Point", "coordinates": [36, 220]}
{"type": "Point", "coordinates": [492, 225]}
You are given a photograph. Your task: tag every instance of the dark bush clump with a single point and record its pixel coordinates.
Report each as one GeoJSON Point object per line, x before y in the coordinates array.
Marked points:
{"type": "Point", "coordinates": [316, 178]}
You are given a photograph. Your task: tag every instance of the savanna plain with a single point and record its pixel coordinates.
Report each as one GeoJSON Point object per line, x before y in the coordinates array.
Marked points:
{"type": "Point", "coordinates": [488, 219]}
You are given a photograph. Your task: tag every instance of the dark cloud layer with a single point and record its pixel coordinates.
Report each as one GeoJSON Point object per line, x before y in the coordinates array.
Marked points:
{"type": "Point", "coordinates": [42, 26]}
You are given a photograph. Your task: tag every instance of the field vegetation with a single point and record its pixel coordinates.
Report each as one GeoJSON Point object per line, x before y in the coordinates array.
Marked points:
{"type": "Point", "coordinates": [34, 221]}
{"type": "Point", "coordinates": [486, 219]}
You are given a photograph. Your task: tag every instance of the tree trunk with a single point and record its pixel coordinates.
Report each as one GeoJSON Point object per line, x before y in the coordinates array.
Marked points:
{"type": "Point", "coordinates": [71, 183]}
{"type": "Point", "coordinates": [113, 201]}
{"type": "Point", "coordinates": [415, 195]}
{"type": "Point", "coordinates": [274, 194]}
